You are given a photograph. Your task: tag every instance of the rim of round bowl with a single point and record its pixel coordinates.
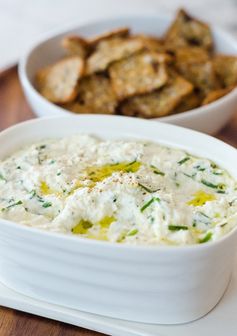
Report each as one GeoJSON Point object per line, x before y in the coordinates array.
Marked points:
{"type": "Point", "coordinates": [115, 22]}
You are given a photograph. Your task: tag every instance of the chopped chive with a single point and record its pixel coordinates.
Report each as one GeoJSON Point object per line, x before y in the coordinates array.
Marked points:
{"type": "Point", "coordinates": [131, 163]}
{"type": "Point", "coordinates": [152, 219]}
{"type": "Point", "coordinates": [33, 194]}
{"type": "Point", "coordinates": [190, 176]}
{"type": "Point", "coordinates": [177, 227]}
{"type": "Point", "coordinates": [52, 162]}
{"type": "Point", "coordinates": [46, 204]}
{"type": "Point", "coordinates": [203, 214]}
{"type": "Point", "coordinates": [17, 203]}
{"type": "Point", "coordinates": [209, 184]}
{"type": "Point", "coordinates": [40, 199]}
{"type": "Point", "coordinates": [12, 205]}
{"type": "Point", "coordinates": [232, 202]}
{"type": "Point", "coordinates": [213, 165]}
{"type": "Point", "coordinates": [157, 171]}
{"type": "Point", "coordinates": [224, 224]}
{"type": "Point", "coordinates": [42, 147]}
{"type": "Point", "coordinates": [221, 187]}
{"type": "Point", "coordinates": [132, 232]}
{"type": "Point", "coordinates": [59, 173]}
{"type": "Point", "coordinates": [147, 189]}
{"type": "Point", "coordinates": [206, 238]}
{"type": "Point", "coordinates": [183, 160]}
{"type": "Point", "coordinates": [146, 205]}
{"type": "Point", "coordinates": [199, 168]}
{"type": "Point", "coordinates": [18, 167]}
{"type": "Point", "coordinates": [132, 167]}
{"type": "Point", "coordinates": [2, 177]}
{"type": "Point", "coordinates": [217, 173]}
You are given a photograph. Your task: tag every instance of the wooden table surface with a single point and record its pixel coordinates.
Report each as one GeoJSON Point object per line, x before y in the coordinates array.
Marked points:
{"type": "Point", "coordinates": [13, 109]}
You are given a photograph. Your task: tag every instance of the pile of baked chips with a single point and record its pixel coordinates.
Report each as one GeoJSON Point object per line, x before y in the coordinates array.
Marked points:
{"type": "Point", "coordinates": [140, 75]}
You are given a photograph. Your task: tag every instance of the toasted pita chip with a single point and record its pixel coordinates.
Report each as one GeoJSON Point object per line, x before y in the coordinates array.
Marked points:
{"type": "Point", "coordinates": [119, 32]}
{"type": "Point", "coordinates": [158, 103]}
{"type": "Point", "coordinates": [226, 69]}
{"type": "Point", "coordinates": [187, 31]}
{"type": "Point", "coordinates": [137, 74]}
{"type": "Point", "coordinates": [202, 75]}
{"type": "Point", "coordinates": [76, 45]}
{"type": "Point", "coordinates": [111, 50]}
{"type": "Point", "coordinates": [190, 55]}
{"type": "Point", "coordinates": [95, 95]}
{"type": "Point", "coordinates": [77, 107]}
{"type": "Point", "coordinates": [188, 103]}
{"type": "Point", "coordinates": [214, 95]}
{"type": "Point", "coordinates": [58, 82]}
{"type": "Point", "coordinates": [151, 43]}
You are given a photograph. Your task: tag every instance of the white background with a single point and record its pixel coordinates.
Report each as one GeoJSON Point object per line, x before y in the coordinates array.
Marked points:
{"type": "Point", "coordinates": [24, 21]}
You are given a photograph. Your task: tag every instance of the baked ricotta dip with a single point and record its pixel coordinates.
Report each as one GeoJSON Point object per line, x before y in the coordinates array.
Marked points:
{"type": "Point", "coordinates": [120, 191]}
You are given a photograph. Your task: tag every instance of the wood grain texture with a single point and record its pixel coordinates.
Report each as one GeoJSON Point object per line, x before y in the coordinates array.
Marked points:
{"type": "Point", "coordinates": [13, 109]}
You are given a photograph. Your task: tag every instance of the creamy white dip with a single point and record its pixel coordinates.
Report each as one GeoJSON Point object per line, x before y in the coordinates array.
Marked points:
{"type": "Point", "coordinates": [121, 191]}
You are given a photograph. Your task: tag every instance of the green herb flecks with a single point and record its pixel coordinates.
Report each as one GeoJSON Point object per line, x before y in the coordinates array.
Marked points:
{"type": "Point", "coordinates": [232, 202]}
{"type": "Point", "coordinates": [147, 189]}
{"type": "Point", "coordinates": [12, 205]}
{"type": "Point", "coordinates": [32, 194]}
{"type": "Point", "coordinates": [200, 168]}
{"type": "Point", "coordinates": [177, 227]}
{"type": "Point", "coordinates": [201, 218]}
{"type": "Point", "coordinates": [209, 184]}
{"type": "Point", "coordinates": [132, 167]}
{"type": "Point", "coordinates": [183, 160]}
{"type": "Point", "coordinates": [220, 191]}
{"type": "Point", "coordinates": [220, 187]}
{"type": "Point", "coordinates": [157, 171]}
{"type": "Point", "coordinates": [39, 198]}
{"type": "Point", "coordinates": [41, 156]}
{"type": "Point", "coordinates": [46, 204]}
{"type": "Point", "coordinates": [203, 214]}
{"type": "Point", "coordinates": [206, 238]}
{"type": "Point", "coordinates": [132, 232]}
{"type": "Point", "coordinates": [2, 177]}
{"type": "Point", "coordinates": [217, 173]}
{"type": "Point", "coordinates": [146, 205]}
{"type": "Point", "coordinates": [224, 224]}
{"type": "Point", "coordinates": [190, 176]}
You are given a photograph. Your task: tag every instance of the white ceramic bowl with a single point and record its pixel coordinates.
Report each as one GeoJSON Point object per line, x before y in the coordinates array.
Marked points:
{"type": "Point", "coordinates": [139, 283]}
{"type": "Point", "coordinates": [208, 119]}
